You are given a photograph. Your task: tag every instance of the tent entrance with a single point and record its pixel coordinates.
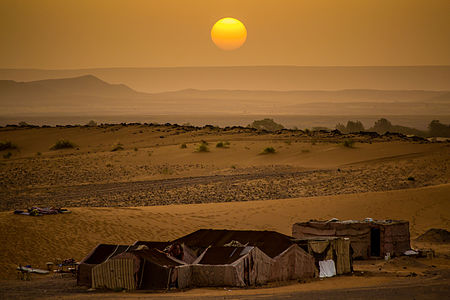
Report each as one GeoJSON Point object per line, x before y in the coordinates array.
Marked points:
{"type": "Point", "coordinates": [375, 242]}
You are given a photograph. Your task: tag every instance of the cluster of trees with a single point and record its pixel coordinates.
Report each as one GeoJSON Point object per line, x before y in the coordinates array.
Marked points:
{"type": "Point", "coordinates": [356, 126]}
{"type": "Point", "coordinates": [266, 124]}
{"type": "Point", "coordinates": [435, 128]}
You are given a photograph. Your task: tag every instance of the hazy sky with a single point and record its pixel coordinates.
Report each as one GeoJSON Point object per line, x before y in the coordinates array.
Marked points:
{"type": "Point", "coordinates": [146, 33]}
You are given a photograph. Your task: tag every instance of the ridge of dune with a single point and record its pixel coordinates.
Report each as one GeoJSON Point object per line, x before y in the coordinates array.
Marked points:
{"type": "Point", "coordinates": [75, 234]}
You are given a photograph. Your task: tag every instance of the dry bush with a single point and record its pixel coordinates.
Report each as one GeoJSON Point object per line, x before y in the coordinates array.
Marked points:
{"type": "Point", "coordinates": [63, 144]}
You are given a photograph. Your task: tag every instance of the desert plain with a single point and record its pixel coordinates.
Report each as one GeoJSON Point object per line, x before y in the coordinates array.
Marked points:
{"type": "Point", "coordinates": [124, 183]}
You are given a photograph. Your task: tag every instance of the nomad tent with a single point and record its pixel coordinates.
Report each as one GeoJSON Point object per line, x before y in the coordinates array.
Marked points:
{"type": "Point", "coordinates": [292, 264]}
{"type": "Point", "coordinates": [270, 242]}
{"type": "Point", "coordinates": [329, 248]}
{"type": "Point", "coordinates": [140, 268]}
{"type": "Point", "coordinates": [368, 238]}
{"type": "Point", "coordinates": [227, 266]}
{"type": "Point", "coordinates": [100, 254]}
{"type": "Point", "coordinates": [179, 251]}
{"type": "Point", "coordinates": [289, 261]}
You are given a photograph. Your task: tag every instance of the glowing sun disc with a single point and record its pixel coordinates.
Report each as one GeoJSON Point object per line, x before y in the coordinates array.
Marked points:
{"type": "Point", "coordinates": [228, 34]}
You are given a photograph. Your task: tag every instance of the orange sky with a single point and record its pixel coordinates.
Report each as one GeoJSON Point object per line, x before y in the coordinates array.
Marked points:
{"type": "Point", "coordinates": [146, 33]}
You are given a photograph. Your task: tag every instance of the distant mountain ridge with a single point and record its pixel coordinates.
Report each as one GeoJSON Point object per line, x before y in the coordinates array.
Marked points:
{"type": "Point", "coordinates": [82, 85]}
{"type": "Point", "coordinates": [88, 94]}
{"type": "Point", "coordinates": [277, 78]}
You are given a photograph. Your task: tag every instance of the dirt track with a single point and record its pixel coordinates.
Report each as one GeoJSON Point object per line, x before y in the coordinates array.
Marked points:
{"type": "Point", "coordinates": [159, 174]}
{"type": "Point", "coordinates": [259, 184]}
{"type": "Point", "coordinates": [427, 286]}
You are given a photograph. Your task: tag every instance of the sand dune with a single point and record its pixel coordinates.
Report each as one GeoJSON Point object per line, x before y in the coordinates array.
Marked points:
{"type": "Point", "coordinates": [154, 171]}
{"type": "Point", "coordinates": [322, 178]}
{"type": "Point", "coordinates": [36, 240]}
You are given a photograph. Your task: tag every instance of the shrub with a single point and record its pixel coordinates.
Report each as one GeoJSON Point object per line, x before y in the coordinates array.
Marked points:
{"type": "Point", "coordinates": [222, 144]}
{"type": "Point", "coordinates": [117, 147]}
{"type": "Point", "coordinates": [410, 178]}
{"type": "Point", "coordinates": [63, 144]}
{"type": "Point", "coordinates": [349, 143]}
{"type": "Point", "coordinates": [7, 146]}
{"type": "Point", "coordinates": [91, 123]}
{"type": "Point", "coordinates": [183, 146]}
{"type": "Point", "coordinates": [269, 150]}
{"type": "Point", "coordinates": [38, 153]}
{"type": "Point", "coordinates": [135, 148]}
{"type": "Point", "coordinates": [203, 148]}
{"type": "Point", "coordinates": [165, 171]}
{"type": "Point", "coordinates": [7, 155]}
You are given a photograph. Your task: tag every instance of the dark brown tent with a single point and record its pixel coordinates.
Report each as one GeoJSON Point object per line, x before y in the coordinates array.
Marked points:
{"type": "Point", "coordinates": [270, 242]}
{"type": "Point", "coordinates": [179, 251]}
{"type": "Point", "coordinates": [98, 255]}
{"type": "Point", "coordinates": [141, 268]}
{"type": "Point", "coordinates": [153, 245]}
{"type": "Point", "coordinates": [368, 238]}
{"type": "Point", "coordinates": [289, 261]}
{"type": "Point", "coordinates": [227, 266]}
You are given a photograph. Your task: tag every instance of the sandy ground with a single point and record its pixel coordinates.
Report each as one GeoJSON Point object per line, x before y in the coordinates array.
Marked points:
{"type": "Point", "coordinates": [309, 177]}
{"type": "Point", "coordinates": [36, 240]}
{"type": "Point", "coordinates": [155, 171]}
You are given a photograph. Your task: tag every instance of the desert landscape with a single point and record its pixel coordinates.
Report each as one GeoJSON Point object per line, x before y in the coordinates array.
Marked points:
{"type": "Point", "coordinates": [151, 182]}
{"type": "Point", "coordinates": [239, 149]}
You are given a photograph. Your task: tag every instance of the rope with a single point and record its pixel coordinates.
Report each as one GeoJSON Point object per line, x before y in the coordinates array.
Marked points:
{"type": "Point", "coordinates": [114, 252]}
{"type": "Point", "coordinates": [142, 273]}
{"type": "Point", "coordinates": [169, 278]}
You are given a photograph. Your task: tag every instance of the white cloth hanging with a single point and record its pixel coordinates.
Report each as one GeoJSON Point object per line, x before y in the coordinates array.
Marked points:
{"type": "Point", "coordinates": [327, 268]}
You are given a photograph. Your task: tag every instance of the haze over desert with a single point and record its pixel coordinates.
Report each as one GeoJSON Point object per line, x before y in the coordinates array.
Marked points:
{"type": "Point", "coordinates": [250, 149]}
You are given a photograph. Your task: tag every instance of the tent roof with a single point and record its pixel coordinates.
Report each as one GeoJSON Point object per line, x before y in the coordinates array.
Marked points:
{"type": "Point", "coordinates": [103, 251]}
{"type": "Point", "coordinates": [351, 222]}
{"type": "Point", "coordinates": [153, 244]}
{"type": "Point", "coordinates": [156, 256]}
{"type": "Point", "coordinates": [223, 255]}
{"type": "Point", "coordinates": [270, 242]}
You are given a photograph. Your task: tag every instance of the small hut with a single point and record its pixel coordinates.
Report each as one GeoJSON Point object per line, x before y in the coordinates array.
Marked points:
{"type": "Point", "coordinates": [368, 238]}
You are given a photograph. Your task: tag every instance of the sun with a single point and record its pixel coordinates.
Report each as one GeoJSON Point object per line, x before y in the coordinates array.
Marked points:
{"type": "Point", "coordinates": [228, 34]}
